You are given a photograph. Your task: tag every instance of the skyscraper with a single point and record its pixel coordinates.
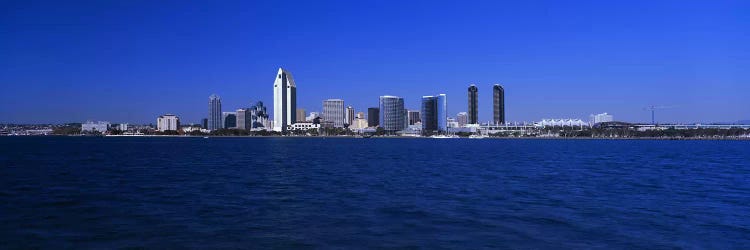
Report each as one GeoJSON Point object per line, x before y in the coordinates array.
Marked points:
{"type": "Point", "coordinates": [414, 117]}
{"type": "Point", "coordinates": [373, 117]}
{"type": "Point", "coordinates": [429, 113]}
{"type": "Point", "coordinates": [434, 113]}
{"type": "Point", "coordinates": [442, 112]}
{"type": "Point", "coordinates": [284, 101]}
{"type": "Point", "coordinates": [392, 113]}
{"type": "Point", "coordinates": [214, 112]}
{"type": "Point", "coordinates": [498, 104]}
{"type": "Point", "coordinates": [333, 111]}
{"type": "Point", "coordinates": [349, 115]}
{"type": "Point", "coordinates": [300, 115]}
{"type": "Point", "coordinates": [473, 105]}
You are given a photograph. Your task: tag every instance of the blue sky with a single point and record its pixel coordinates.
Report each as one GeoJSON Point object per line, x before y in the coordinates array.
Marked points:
{"type": "Point", "coordinates": [130, 61]}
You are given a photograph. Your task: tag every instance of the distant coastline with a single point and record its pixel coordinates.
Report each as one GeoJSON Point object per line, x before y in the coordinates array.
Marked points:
{"type": "Point", "coordinates": [424, 137]}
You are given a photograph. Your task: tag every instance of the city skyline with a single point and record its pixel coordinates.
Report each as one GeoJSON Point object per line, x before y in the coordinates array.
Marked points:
{"type": "Point", "coordinates": [563, 60]}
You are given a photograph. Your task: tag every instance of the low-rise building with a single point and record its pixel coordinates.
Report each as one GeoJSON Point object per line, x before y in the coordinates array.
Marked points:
{"type": "Point", "coordinates": [100, 126]}
{"type": "Point", "coordinates": [303, 126]}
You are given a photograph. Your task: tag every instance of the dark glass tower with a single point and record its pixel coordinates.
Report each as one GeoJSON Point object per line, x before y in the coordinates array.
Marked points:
{"type": "Point", "coordinates": [473, 105]}
{"type": "Point", "coordinates": [429, 113]}
{"type": "Point", "coordinates": [373, 117]}
{"type": "Point", "coordinates": [498, 104]}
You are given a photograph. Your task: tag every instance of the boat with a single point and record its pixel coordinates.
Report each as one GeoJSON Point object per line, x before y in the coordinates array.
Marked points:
{"type": "Point", "coordinates": [477, 137]}
{"type": "Point", "coordinates": [205, 137]}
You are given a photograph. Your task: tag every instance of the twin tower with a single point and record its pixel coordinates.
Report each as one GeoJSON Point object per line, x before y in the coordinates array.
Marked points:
{"type": "Point", "coordinates": [498, 104]}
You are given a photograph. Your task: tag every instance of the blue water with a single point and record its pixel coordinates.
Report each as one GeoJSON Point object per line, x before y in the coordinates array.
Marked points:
{"type": "Point", "coordinates": [71, 192]}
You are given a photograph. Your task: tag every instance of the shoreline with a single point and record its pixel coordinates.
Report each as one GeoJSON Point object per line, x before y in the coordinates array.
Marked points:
{"type": "Point", "coordinates": [414, 137]}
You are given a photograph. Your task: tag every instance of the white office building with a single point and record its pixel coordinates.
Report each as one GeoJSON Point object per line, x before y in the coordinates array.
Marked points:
{"type": "Point", "coordinates": [167, 122]}
{"type": "Point", "coordinates": [284, 101]}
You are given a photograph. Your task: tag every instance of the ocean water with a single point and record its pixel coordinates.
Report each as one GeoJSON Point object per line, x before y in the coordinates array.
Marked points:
{"type": "Point", "coordinates": [74, 192]}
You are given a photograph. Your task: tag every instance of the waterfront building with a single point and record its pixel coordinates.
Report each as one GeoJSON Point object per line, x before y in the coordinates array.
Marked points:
{"type": "Point", "coordinates": [392, 113]}
{"type": "Point", "coordinates": [561, 123]}
{"type": "Point", "coordinates": [204, 123]}
{"type": "Point", "coordinates": [122, 127]}
{"type": "Point", "coordinates": [498, 104]}
{"type": "Point", "coordinates": [442, 112]}
{"type": "Point", "coordinates": [452, 123]}
{"type": "Point", "coordinates": [373, 117]}
{"type": "Point", "coordinates": [214, 112]}
{"type": "Point", "coordinates": [434, 113]}
{"type": "Point", "coordinates": [229, 119]}
{"type": "Point", "coordinates": [333, 111]}
{"type": "Point", "coordinates": [414, 117]}
{"type": "Point", "coordinates": [191, 128]}
{"type": "Point", "coordinates": [599, 118]}
{"type": "Point", "coordinates": [300, 115]}
{"type": "Point", "coordinates": [303, 126]}
{"type": "Point", "coordinates": [462, 119]}
{"type": "Point", "coordinates": [360, 115]}
{"type": "Point", "coordinates": [429, 113]}
{"type": "Point", "coordinates": [473, 104]}
{"type": "Point", "coordinates": [167, 122]}
{"type": "Point", "coordinates": [359, 123]}
{"type": "Point", "coordinates": [284, 100]}
{"type": "Point", "coordinates": [100, 126]}
{"type": "Point", "coordinates": [244, 119]}
{"type": "Point", "coordinates": [349, 115]}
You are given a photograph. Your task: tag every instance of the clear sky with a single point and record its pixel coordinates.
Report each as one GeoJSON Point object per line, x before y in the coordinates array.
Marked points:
{"type": "Point", "coordinates": [130, 61]}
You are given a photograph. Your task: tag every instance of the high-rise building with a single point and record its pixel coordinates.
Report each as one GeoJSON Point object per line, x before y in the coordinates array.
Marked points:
{"type": "Point", "coordinates": [333, 111]}
{"type": "Point", "coordinates": [214, 112]}
{"type": "Point", "coordinates": [461, 119]}
{"type": "Point", "coordinates": [392, 113]}
{"type": "Point", "coordinates": [244, 119]}
{"type": "Point", "coordinates": [442, 112]}
{"type": "Point", "coordinates": [473, 105]}
{"type": "Point", "coordinates": [204, 123]}
{"type": "Point", "coordinates": [429, 113]}
{"type": "Point", "coordinates": [434, 113]}
{"type": "Point", "coordinates": [300, 115]}
{"type": "Point", "coordinates": [229, 119]}
{"type": "Point", "coordinates": [498, 104]}
{"type": "Point", "coordinates": [349, 116]}
{"type": "Point", "coordinates": [414, 117]}
{"type": "Point", "coordinates": [360, 115]}
{"type": "Point", "coordinates": [284, 100]}
{"type": "Point", "coordinates": [167, 122]}
{"type": "Point", "coordinates": [373, 117]}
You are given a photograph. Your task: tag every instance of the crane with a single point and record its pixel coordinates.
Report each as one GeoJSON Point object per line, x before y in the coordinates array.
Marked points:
{"type": "Point", "coordinates": [653, 108]}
